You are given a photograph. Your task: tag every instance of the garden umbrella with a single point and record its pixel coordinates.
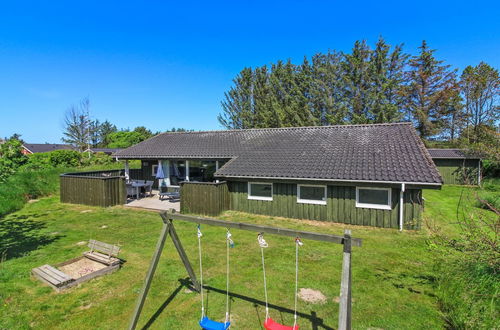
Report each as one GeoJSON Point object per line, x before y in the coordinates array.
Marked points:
{"type": "Point", "coordinates": [160, 175]}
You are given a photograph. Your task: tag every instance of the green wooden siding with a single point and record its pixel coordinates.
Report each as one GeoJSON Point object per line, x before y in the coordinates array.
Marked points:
{"type": "Point", "coordinates": [93, 188]}
{"type": "Point", "coordinates": [341, 206]}
{"type": "Point", "coordinates": [458, 171]}
{"type": "Point", "coordinates": [204, 198]}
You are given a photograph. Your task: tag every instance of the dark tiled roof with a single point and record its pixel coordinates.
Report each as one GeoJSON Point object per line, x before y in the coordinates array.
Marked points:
{"type": "Point", "coordinates": [382, 152]}
{"type": "Point", "coordinates": [452, 153]}
{"type": "Point", "coordinates": [108, 151]}
{"type": "Point", "coordinates": [46, 147]}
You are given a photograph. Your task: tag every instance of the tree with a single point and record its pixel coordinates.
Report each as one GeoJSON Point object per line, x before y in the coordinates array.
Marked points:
{"type": "Point", "coordinates": [431, 87]}
{"type": "Point", "coordinates": [78, 129]}
{"type": "Point", "coordinates": [386, 82]}
{"type": "Point", "coordinates": [125, 138]}
{"type": "Point", "coordinates": [237, 112]}
{"type": "Point", "coordinates": [356, 79]}
{"type": "Point", "coordinates": [480, 86]}
{"type": "Point", "coordinates": [11, 157]}
{"type": "Point", "coordinates": [105, 129]}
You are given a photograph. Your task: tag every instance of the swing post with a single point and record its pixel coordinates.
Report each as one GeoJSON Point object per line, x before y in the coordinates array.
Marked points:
{"type": "Point", "coordinates": [345, 285]}
{"type": "Point", "coordinates": [150, 273]}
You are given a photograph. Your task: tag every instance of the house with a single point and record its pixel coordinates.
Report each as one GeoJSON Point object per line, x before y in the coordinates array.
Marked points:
{"type": "Point", "coordinates": [457, 166]}
{"type": "Point", "coordinates": [358, 174]}
{"type": "Point", "coordinates": [107, 151]}
{"type": "Point", "coordinates": [33, 148]}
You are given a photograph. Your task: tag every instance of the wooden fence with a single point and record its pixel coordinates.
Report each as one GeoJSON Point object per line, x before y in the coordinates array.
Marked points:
{"type": "Point", "coordinates": [207, 198]}
{"type": "Point", "coordinates": [99, 188]}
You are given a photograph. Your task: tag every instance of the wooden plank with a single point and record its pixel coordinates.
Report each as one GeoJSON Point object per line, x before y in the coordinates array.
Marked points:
{"type": "Point", "coordinates": [46, 276]}
{"type": "Point", "coordinates": [258, 228]}
{"type": "Point", "coordinates": [104, 247]}
{"type": "Point", "coordinates": [56, 273]}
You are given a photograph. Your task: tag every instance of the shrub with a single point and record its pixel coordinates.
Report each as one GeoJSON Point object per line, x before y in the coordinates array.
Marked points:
{"type": "Point", "coordinates": [65, 158]}
{"type": "Point", "coordinates": [38, 161]}
{"type": "Point", "coordinates": [491, 168]}
{"type": "Point", "coordinates": [98, 158]}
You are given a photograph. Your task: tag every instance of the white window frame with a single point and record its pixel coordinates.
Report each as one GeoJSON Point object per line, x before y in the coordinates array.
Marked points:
{"type": "Point", "coordinates": [153, 172]}
{"type": "Point", "coordinates": [311, 201]}
{"type": "Point", "coordinates": [375, 206]}
{"type": "Point", "coordinates": [260, 198]}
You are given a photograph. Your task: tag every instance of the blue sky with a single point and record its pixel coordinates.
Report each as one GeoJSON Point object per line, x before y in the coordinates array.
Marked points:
{"type": "Point", "coordinates": [167, 64]}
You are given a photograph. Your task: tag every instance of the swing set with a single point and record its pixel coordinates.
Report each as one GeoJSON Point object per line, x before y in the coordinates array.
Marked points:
{"type": "Point", "coordinates": [208, 324]}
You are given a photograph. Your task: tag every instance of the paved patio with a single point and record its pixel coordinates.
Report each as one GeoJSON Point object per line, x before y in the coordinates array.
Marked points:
{"type": "Point", "coordinates": [154, 203]}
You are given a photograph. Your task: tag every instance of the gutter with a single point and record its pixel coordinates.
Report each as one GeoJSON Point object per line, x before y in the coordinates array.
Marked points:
{"type": "Point", "coordinates": [401, 206]}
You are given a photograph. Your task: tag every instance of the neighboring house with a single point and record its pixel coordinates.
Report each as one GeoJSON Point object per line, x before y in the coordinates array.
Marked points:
{"type": "Point", "coordinates": [107, 151]}
{"type": "Point", "coordinates": [360, 174]}
{"type": "Point", "coordinates": [33, 148]}
{"type": "Point", "coordinates": [457, 166]}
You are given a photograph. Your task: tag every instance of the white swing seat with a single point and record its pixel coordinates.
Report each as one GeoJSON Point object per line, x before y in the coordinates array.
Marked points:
{"type": "Point", "coordinates": [209, 324]}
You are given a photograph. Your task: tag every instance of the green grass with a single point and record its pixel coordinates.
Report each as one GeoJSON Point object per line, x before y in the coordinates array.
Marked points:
{"type": "Point", "coordinates": [394, 274]}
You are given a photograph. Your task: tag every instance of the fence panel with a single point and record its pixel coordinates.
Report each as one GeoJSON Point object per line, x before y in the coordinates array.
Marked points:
{"type": "Point", "coordinates": [206, 198]}
{"type": "Point", "coordinates": [100, 188]}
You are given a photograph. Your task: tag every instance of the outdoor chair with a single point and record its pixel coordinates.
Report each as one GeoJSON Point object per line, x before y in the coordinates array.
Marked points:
{"type": "Point", "coordinates": [170, 195]}
{"type": "Point", "coordinates": [149, 187]}
{"type": "Point", "coordinates": [131, 190]}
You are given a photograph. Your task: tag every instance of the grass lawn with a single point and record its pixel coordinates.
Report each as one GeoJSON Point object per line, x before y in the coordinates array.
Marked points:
{"type": "Point", "coordinates": [393, 272]}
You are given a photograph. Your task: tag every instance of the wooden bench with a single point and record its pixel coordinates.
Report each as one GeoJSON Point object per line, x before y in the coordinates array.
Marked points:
{"type": "Point", "coordinates": [52, 276]}
{"type": "Point", "coordinates": [103, 252]}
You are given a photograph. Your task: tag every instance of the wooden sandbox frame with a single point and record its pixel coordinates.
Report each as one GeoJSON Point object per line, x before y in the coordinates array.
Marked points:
{"type": "Point", "coordinates": [59, 281]}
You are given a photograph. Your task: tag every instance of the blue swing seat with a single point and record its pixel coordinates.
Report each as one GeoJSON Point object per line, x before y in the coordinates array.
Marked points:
{"type": "Point", "coordinates": [208, 324]}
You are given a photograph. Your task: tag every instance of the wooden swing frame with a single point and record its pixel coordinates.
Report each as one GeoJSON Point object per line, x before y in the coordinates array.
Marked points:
{"type": "Point", "coordinates": [170, 216]}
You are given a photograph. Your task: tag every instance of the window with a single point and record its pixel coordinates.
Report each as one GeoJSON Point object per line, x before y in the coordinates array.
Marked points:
{"type": "Point", "coordinates": [373, 198]}
{"type": "Point", "coordinates": [154, 169]}
{"type": "Point", "coordinates": [311, 194]}
{"type": "Point", "coordinates": [260, 191]}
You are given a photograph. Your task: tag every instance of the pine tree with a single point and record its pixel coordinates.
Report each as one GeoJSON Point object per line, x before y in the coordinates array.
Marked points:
{"type": "Point", "coordinates": [237, 111]}
{"type": "Point", "coordinates": [431, 86]}
{"type": "Point", "coordinates": [327, 92]}
{"type": "Point", "coordinates": [387, 79]}
{"type": "Point", "coordinates": [357, 83]}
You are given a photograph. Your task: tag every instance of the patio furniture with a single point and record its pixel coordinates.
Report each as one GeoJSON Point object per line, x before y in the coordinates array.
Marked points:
{"type": "Point", "coordinates": [131, 190]}
{"type": "Point", "coordinates": [138, 185]}
{"type": "Point", "coordinates": [170, 195]}
{"type": "Point", "coordinates": [149, 187]}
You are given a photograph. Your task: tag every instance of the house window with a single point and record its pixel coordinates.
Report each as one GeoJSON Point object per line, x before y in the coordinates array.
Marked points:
{"type": "Point", "coordinates": [373, 198]}
{"type": "Point", "coordinates": [154, 169]}
{"type": "Point", "coordinates": [260, 191]}
{"type": "Point", "coordinates": [311, 194]}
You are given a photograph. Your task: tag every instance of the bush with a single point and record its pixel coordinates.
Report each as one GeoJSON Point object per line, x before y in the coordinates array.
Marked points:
{"type": "Point", "coordinates": [65, 158]}
{"type": "Point", "coordinates": [491, 168]}
{"type": "Point", "coordinates": [98, 158]}
{"type": "Point", "coordinates": [38, 161]}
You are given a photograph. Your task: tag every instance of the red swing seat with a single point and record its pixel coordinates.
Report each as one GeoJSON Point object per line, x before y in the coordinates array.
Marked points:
{"type": "Point", "coordinates": [271, 324]}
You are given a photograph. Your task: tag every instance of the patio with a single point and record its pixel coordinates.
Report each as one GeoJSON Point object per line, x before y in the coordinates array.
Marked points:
{"type": "Point", "coordinates": [153, 203]}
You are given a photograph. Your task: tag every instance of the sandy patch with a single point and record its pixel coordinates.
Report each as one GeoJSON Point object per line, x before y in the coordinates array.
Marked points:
{"type": "Point", "coordinates": [81, 268]}
{"type": "Point", "coordinates": [81, 243]}
{"type": "Point", "coordinates": [311, 296]}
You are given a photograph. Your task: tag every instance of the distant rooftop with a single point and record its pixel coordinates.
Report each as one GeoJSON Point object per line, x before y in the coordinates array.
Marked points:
{"type": "Point", "coordinates": [46, 147]}
{"type": "Point", "coordinates": [452, 153]}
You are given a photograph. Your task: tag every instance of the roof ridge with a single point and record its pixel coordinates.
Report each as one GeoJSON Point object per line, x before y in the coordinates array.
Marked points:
{"type": "Point", "coordinates": [289, 128]}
